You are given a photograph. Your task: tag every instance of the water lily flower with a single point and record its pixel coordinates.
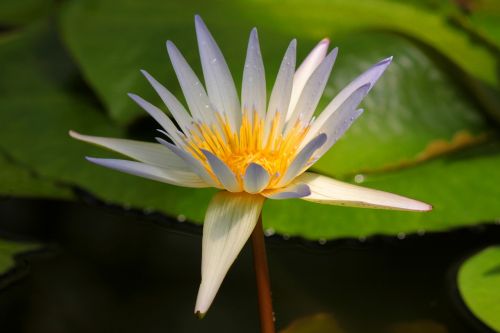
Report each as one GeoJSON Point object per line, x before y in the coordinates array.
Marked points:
{"type": "Point", "coordinates": [250, 150]}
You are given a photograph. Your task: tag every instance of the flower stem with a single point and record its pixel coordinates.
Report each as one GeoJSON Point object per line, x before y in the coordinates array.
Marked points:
{"type": "Point", "coordinates": [262, 279]}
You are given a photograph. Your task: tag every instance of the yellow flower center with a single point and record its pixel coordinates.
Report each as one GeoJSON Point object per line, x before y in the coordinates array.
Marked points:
{"type": "Point", "coordinates": [238, 150]}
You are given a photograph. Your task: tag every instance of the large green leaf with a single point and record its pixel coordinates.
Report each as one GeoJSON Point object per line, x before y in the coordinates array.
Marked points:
{"type": "Point", "coordinates": [8, 250]}
{"type": "Point", "coordinates": [112, 41]}
{"type": "Point", "coordinates": [414, 104]}
{"type": "Point", "coordinates": [42, 97]}
{"type": "Point", "coordinates": [15, 180]}
{"type": "Point", "coordinates": [479, 284]}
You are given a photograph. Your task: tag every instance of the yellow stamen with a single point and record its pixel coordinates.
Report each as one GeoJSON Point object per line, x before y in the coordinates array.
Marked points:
{"type": "Point", "coordinates": [247, 145]}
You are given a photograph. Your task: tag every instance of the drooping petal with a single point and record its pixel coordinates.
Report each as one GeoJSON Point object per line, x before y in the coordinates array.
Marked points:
{"type": "Point", "coordinates": [314, 58]}
{"type": "Point", "coordinates": [369, 77]}
{"type": "Point", "coordinates": [159, 116]}
{"type": "Point", "coordinates": [195, 94]}
{"type": "Point", "coordinates": [339, 121]}
{"type": "Point", "coordinates": [225, 176]}
{"type": "Point", "coordinates": [294, 190]}
{"type": "Point", "coordinates": [192, 162]}
{"type": "Point", "coordinates": [150, 153]}
{"type": "Point", "coordinates": [326, 190]}
{"type": "Point", "coordinates": [313, 90]}
{"type": "Point", "coordinates": [218, 80]}
{"type": "Point", "coordinates": [300, 162]}
{"type": "Point", "coordinates": [169, 176]}
{"type": "Point", "coordinates": [229, 221]}
{"type": "Point", "coordinates": [177, 110]}
{"type": "Point", "coordinates": [253, 91]}
{"type": "Point", "coordinates": [282, 91]}
{"type": "Point", "coordinates": [256, 178]}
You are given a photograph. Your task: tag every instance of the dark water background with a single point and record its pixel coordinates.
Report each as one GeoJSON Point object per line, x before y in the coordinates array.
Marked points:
{"type": "Point", "coordinates": [105, 269]}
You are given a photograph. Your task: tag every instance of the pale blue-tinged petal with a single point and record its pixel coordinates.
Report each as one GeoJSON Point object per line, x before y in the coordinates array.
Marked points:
{"type": "Point", "coordinates": [312, 91]}
{"type": "Point", "coordinates": [282, 91]}
{"type": "Point", "coordinates": [291, 191]}
{"type": "Point", "coordinates": [313, 59]}
{"type": "Point", "coordinates": [147, 152]}
{"type": "Point", "coordinates": [196, 97]}
{"type": "Point", "coordinates": [225, 175]}
{"type": "Point", "coordinates": [339, 121]}
{"type": "Point", "coordinates": [177, 110]}
{"type": "Point", "coordinates": [194, 164]}
{"type": "Point", "coordinates": [326, 190]}
{"type": "Point", "coordinates": [253, 91]}
{"type": "Point", "coordinates": [159, 116]}
{"type": "Point", "coordinates": [256, 178]}
{"type": "Point", "coordinates": [369, 78]}
{"type": "Point", "coordinates": [169, 176]}
{"type": "Point", "coordinates": [218, 80]}
{"type": "Point", "coordinates": [229, 222]}
{"type": "Point", "coordinates": [300, 162]}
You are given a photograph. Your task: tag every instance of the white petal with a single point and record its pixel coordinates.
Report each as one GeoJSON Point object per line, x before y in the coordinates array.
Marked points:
{"type": "Point", "coordinates": [295, 190]}
{"type": "Point", "coordinates": [169, 176]}
{"type": "Point", "coordinates": [146, 152]}
{"type": "Point", "coordinates": [230, 219]}
{"type": "Point", "coordinates": [196, 97]}
{"type": "Point", "coordinates": [256, 178]}
{"type": "Point", "coordinates": [305, 70]}
{"type": "Point", "coordinates": [225, 175]}
{"type": "Point", "coordinates": [194, 164]}
{"type": "Point", "coordinates": [159, 116]}
{"type": "Point", "coordinates": [282, 91]}
{"type": "Point", "coordinates": [367, 78]}
{"type": "Point", "coordinates": [177, 110]}
{"type": "Point", "coordinates": [330, 191]}
{"type": "Point", "coordinates": [339, 121]}
{"type": "Point", "coordinates": [218, 79]}
{"type": "Point", "coordinates": [313, 90]}
{"type": "Point", "coordinates": [253, 91]}
{"type": "Point", "coordinates": [300, 162]}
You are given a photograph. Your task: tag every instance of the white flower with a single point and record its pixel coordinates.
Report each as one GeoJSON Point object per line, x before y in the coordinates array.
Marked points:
{"type": "Point", "coordinates": [249, 150]}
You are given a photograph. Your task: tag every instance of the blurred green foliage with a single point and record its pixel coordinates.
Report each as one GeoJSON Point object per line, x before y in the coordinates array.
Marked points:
{"type": "Point", "coordinates": [8, 250]}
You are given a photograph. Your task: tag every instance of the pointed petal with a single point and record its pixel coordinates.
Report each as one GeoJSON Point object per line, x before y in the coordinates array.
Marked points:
{"type": "Point", "coordinates": [295, 190]}
{"type": "Point", "coordinates": [177, 110]}
{"type": "Point", "coordinates": [169, 176]}
{"type": "Point", "coordinates": [333, 192]}
{"type": "Point", "coordinates": [282, 91]}
{"type": "Point", "coordinates": [218, 79]}
{"type": "Point", "coordinates": [225, 175]}
{"type": "Point", "coordinates": [159, 116]}
{"type": "Point", "coordinates": [192, 162]}
{"type": "Point", "coordinates": [305, 70]}
{"type": "Point", "coordinates": [313, 90]}
{"type": "Point", "coordinates": [253, 91]}
{"type": "Point", "coordinates": [196, 97]}
{"type": "Point", "coordinates": [367, 78]}
{"type": "Point", "coordinates": [300, 162]}
{"type": "Point", "coordinates": [150, 153]}
{"type": "Point", "coordinates": [335, 126]}
{"type": "Point", "coordinates": [256, 178]}
{"type": "Point", "coordinates": [230, 219]}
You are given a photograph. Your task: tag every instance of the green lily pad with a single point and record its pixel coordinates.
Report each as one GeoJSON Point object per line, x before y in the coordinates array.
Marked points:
{"type": "Point", "coordinates": [18, 181]}
{"type": "Point", "coordinates": [111, 44]}
{"type": "Point", "coordinates": [8, 251]}
{"type": "Point", "coordinates": [479, 285]}
{"type": "Point", "coordinates": [414, 103]}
